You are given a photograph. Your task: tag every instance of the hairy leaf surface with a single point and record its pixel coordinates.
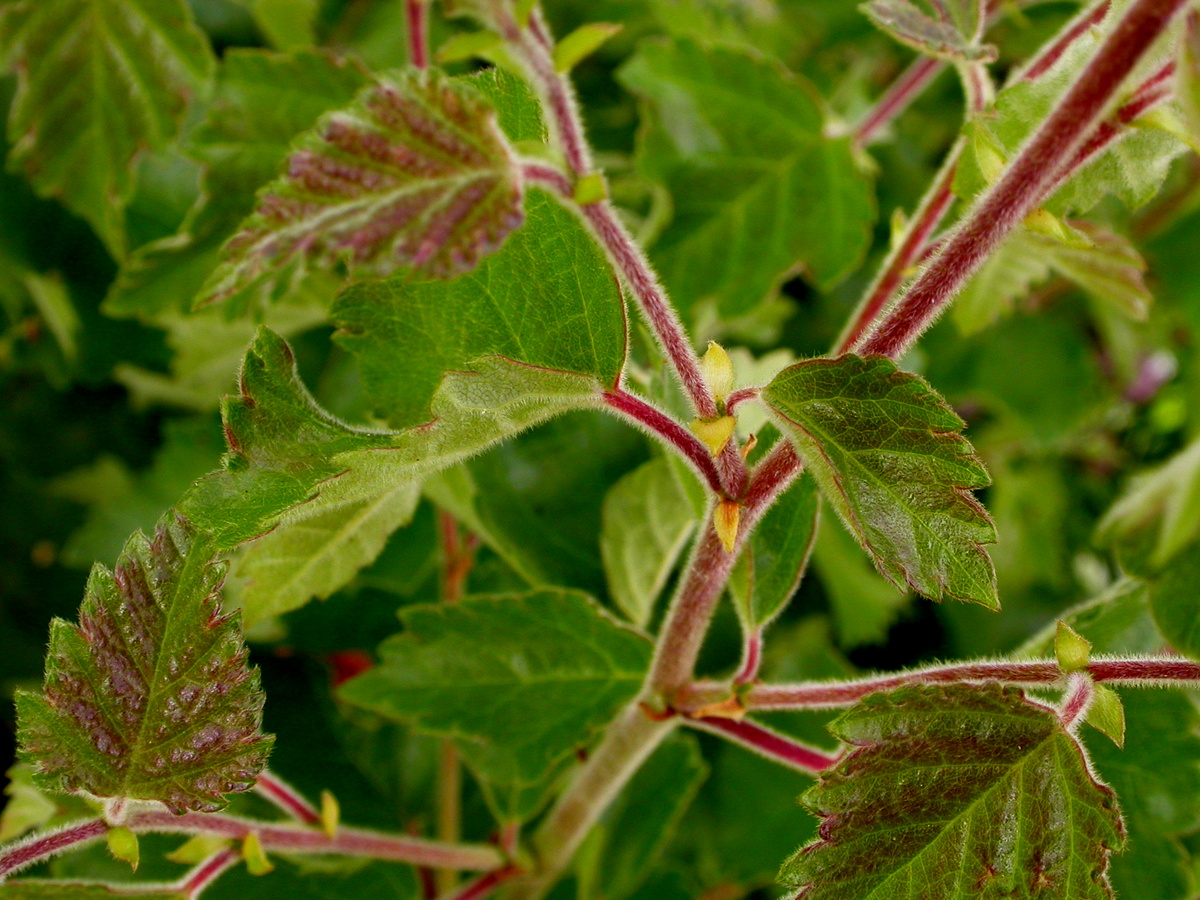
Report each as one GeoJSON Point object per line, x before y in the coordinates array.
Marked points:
{"type": "Point", "coordinates": [887, 454]}
{"type": "Point", "coordinates": [757, 190]}
{"type": "Point", "coordinates": [519, 681]}
{"type": "Point", "coordinates": [956, 792]}
{"type": "Point", "coordinates": [648, 517]}
{"type": "Point", "coordinates": [150, 696]}
{"type": "Point", "coordinates": [546, 299]}
{"type": "Point", "coordinates": [101, 82]}
{"type": "Point", "coordinates": [415, 174]}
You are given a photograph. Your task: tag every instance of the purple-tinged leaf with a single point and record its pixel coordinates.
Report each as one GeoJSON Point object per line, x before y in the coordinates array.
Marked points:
{"type": "Point", "coordinates": [149, 697]}
{"type": "Point", "coordinates": [415, 174]}
{"type": "Point", "coordinates": [957, 792]}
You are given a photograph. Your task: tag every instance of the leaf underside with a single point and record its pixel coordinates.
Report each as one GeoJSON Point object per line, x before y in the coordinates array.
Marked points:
{"type": "Point", "coordinates": [957, 792]}
{"type": "Point", "coordinates": [415, 174]}
{"type": "Point", "coordinates": [887, 453]}
{"type": "Point", "coordinates": [150, 697]}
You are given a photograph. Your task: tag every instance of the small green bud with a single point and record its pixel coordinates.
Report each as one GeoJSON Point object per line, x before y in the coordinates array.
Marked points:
{"type": "Point", "coordinates": [1072, 649]}
{"type": "Point", "coordinates": [123, 845]}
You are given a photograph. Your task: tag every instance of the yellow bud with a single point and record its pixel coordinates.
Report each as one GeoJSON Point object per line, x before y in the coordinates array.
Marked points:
{"type": "Point", "coordinates": [331, 814]}
{"type": "Point", "coordinates": [197, 849]}
{"type": "Point", "coordinates": [1072, 649]}
{"type": "Point", "coordinates": [715, 433]}
{"type": "Point", "coordinates": [717, 368]}
{"type": "Point", "coordinates": [725, 522]}
{"type": "Point", "coordinates": [123, 845]}
{"type": "Point", "coordinates": [255, 856]}
{"type": "Point", "coordinates": [591, 188]}
{"type": "Point", "coordinates": [989, 156]}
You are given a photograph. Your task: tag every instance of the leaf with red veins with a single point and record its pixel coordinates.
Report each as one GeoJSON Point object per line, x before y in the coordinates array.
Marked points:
{"type": "Point", "coordinates": [886, 452]}
{"type": "Point", "coordinates": [957, 792]}
{"type": "Point", "coordinates": [415, 174]}
{"type": "Point", "coordinates": [150, 696]}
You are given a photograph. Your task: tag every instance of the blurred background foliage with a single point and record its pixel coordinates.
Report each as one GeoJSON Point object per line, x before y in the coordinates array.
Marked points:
{"type": "Point", "coordinates": [108, 409]}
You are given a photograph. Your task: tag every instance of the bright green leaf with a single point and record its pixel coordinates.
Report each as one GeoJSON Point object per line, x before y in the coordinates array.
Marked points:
{"type": "Point", "coordinates": [957, 792]}
{"type": "Point", "coordinates": [519, 681]}
{"type": "Point", "coordinates": [758, 190]}
{"type": "Point", "coordinates": [1107, 714]}
{"type": "Point", "coordinates": [581, 43]}
{"type": "Point", "coordinates": [26, 807]}
{"type": "Point", "coordinates": [775, 556]}
{"type": "Point", "coordinates": [887, 454]}
{"type": "Point", "coordinates": [101, 82]}
{"type": "Point", "coordinates": [546, 299]}
{"type": "Point", "coordinates": [288, 24]}
{"type": "Point", "coordinates": [150, 697]}
{"type": "Point", "coordinates": [648, 518]}
{"type": "Point", "coordinates": [415, 173]}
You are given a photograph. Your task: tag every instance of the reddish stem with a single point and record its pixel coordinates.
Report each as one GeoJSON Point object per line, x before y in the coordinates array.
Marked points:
{"type": "Point", "coordinates": [661, 426]}
{"type": "Point", "coordinates": [1078, 698]}
{"type": "Point", "coordinates": [483, 885]}
{"type": "Point", "coordinates": [896, 99]}
{"type": "Point", "coordinates": [43, 846]}
{"type": "Point", "coordinates": [1026, 181]}
{"type": "Point", "coordinates": [751, 658]}
{"type": "Point", "coordinates": [194, 883]}
{"type": "Point", "coordinates": [346, 842]}
{"type": "Point", "coordinates": [1083, 23]}
{"type": "Point", "coordinates": [417, 17]}
{"type": "Point", "coordinates": [768, 743]}
{"type": "Point", "coordinates": [287, 798]}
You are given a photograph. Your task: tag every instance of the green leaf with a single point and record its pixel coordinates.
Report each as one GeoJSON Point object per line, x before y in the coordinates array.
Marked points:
{"type": "Point", "coordinates": [546, 299]}
{"type": "Point", "coordinates": [1173, 600]}
{"type": "Point", "coordinates": [648, 517]}
{"type": "Point", "coordinates": [1157, 777]}
{"type": "Point", "coordinates": [776, 555]}
{"type": "Point", "coordinates": [1118, 621]}
{"type": "Point", "coordinates": [314, 552]}
{"type": "Point", "coordinates": [38, 889]}
{"type": "Point", "coordinates": [150, 696]}
{"type": "Point", "coordinates": [261, 102]}
{"type": "Point", "coordinates": [1159, 512]}
{"type": "Point", "coordinates": [519, 681]}
{"type": "Point", "coordinates": [518, 109]}
{"type": "Point", "coordinates": [416, 173]}
{"type": "Point", "coordinates": [581, 43]}
{"type": "Point", "coordinates": [285, 450]}
{"type": "Point", "coordinates": [957, 792]}
{"type": "Point", "coordinates": [287, 24]}
{"type": "Point", "coordinates": [758, 190]}
{"type": "Point", "coordinates": [27, 807]}
{"type": "Point", "coordinates": [100, 83]}
{"type": "Point", "coordinates": [887, 454]}
{"type": "Point", "coordinates": [932, 35]}
{"type": "Point", "coordinates": [642, 821]}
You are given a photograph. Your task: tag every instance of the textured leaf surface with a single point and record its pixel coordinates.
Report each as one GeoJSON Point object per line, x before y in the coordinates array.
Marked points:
{"type": "Point", "coordinates": [776, 555]}
{"type": "Point", "coordinates": [261, 102]}
{"type": "Point", "coordinates": [150, 696]}
{"type": "Point", "coordinates": [285, 450]}
{"type": "Point", "coordinates": [314, 552]}
{"type": "Point", "coordinates": [546, 299]}
{"type": "Point", "coordinates": [887, 453]}
{"type": "Point", "coordinates": [953, 793]}
{"type": "Point", "coordinates": [758, 191]}
{"type": "Point", "coordinates": [648, 516]}
{"type": "Point", "coordinates": [416, 173]}
{"type": "Point", "coordinates": [951, 38]}
{"type": "Point", "coordinates": [519, 681]}
{"type": "Point", "coordinates": [101, 82]}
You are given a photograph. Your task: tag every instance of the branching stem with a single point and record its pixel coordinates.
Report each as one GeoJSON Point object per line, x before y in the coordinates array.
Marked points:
{"type": "Point", "coordinates": [911, 83]}
{"type": "Point", "coordinates": [45, 845]}
{"type": "Point", "coordinates": [768, 743]}
{"type": "Point", "coordinates": [192, 885]}
{"type": "Point", "coordinates": [287, 798]}
{"type": "Point", "coordinates": [667, 430]}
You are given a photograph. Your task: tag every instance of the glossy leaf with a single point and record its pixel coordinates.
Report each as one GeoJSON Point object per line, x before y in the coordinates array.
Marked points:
{"type": "Point", "coordinates": [957, 792]}
{"type": "Point", "coordinates": [285, 450]}
{"type": "Point", "coordinates": [776, 555]}
{"type": "Point", "coordinates": [150, 696]}
{"type": "Point", "coordinates": [519, 681]}
{"type": "Point", "coordinates": [101, 83]}
{"type": "Point", "coordinates": [648, 517]}
{"type": "Point", "coordinates": [887, 454]}
{"type": "Point", "coordinates": [415, 174]}
{"type": "Point", "coordinates": [758, 191]}
{"type": "Point", "coordinates": [546, 299]}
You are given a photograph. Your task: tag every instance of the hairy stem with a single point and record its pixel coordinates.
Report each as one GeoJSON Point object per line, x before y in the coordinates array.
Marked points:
{"type": "Point", "coordinates": [483, 885]}
{"type": "Point", "coordinates": [1053, 52]}
{"type": "Point", "coordinates": [1026, 181]}
{"type": "Point", "coordinates": [668, 431]}
{"type": "Point", "coordinates": [45, 845]}
{"type": "Point", "coordinates": [767, 743]}
{"type": "Point", "coordinates": [1156, 671]}
{"type": "Point", "coordinates": [287, 798]}
{"type": "Point", "coordinates": [346, 842]}
{"type": "Point", "coordinates": [192, 885]}
{"type": "Point", "coordinates": [1076, 700]}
